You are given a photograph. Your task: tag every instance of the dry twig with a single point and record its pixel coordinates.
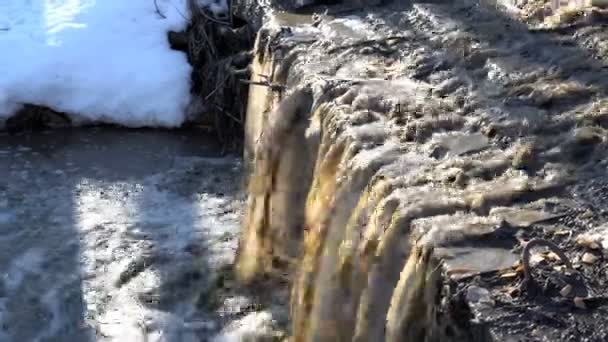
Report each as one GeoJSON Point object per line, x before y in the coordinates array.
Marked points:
{"type": "Point", "coordinates": [272, 86]}
{"type": "Point", "coordinates": [217, 21]}
{"type": "Point", "coordinates": [158, 10]}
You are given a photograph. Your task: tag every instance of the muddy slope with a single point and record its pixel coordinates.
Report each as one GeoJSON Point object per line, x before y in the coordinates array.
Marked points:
{"type": "Point", "coordinates": [403, 157]}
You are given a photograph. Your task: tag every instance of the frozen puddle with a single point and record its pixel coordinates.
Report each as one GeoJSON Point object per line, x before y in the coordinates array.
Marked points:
{"type": "Point", "coordinates": [113, 235]}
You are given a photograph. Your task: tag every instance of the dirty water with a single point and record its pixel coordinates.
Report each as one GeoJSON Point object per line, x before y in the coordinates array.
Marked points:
{"type": "Point", "coordinates": [120, 235]}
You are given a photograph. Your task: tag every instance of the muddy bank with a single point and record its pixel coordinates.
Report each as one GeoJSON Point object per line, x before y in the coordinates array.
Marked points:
{"type": "Point", "coordinates": [403, 157]}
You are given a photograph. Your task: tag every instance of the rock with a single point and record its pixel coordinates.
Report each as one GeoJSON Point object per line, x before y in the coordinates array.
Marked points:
{"type": "Point", "coordinates": [456, 144]}
{"type": "Point", "coordinates": [522, 217]}
{"type": "Point", "coordinates": [589, 258]}
{"type": "Point", "coordinates": [579, 302]}
{"type": "Point", "coordinates": [178, 40]}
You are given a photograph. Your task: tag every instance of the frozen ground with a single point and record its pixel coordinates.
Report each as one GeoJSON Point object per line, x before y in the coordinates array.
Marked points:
{"type": "Point", "coordinates": [113, 235]}
{"type": "Point", "coordinates": [103, 61]}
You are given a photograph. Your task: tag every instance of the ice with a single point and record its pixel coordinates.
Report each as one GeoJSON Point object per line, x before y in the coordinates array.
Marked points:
{"type": "Point", "coordinates": [101, 61]}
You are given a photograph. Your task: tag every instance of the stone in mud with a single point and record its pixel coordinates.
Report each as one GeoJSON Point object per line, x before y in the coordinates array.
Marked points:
{"type": "Point", "coordinates": [394, 225]}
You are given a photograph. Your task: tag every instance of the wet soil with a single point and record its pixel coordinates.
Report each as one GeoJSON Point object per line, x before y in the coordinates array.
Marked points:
{"type": "Point", "coordinates": [476, 91]}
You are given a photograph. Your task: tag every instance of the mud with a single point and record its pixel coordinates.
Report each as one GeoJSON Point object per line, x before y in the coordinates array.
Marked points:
{"type": "Point", "coordinates": [408, 158]}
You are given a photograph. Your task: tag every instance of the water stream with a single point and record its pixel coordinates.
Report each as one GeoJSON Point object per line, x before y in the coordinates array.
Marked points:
{"type": "Point", "coordinates": [118, 235]}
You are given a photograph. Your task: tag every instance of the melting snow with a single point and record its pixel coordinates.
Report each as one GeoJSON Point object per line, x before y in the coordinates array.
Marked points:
{"type": "Point", "coordinates": [105, 61]}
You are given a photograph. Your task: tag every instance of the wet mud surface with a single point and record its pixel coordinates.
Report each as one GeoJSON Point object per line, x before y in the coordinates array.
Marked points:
{"type": "Point", "coordinates": [433, 136]}
{"type": "Point", "coordinates": [121, 235]}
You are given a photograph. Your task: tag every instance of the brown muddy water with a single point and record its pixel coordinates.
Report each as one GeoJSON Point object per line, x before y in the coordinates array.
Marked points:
{"type": "Point", "coordinates": [120, 235]}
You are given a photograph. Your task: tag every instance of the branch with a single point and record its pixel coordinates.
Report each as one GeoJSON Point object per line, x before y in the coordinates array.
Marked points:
{"type": "Point", "coordinates": [158, 10]}
{"type": "Point", "coordinates": [272, 86]}
{"type": "Point", "coordinates": [217, 21]}
{"type": "Point", "coordinates": [238, 72]}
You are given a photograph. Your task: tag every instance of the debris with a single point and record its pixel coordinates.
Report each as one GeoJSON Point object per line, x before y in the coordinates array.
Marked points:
{"type": "Point", "coordinates": [588, 241]}
{"type": "Point", "coordinates": [562, 232]}
{"type": "Point", "coordinates": [589, 258]}
{"type": "Point", "coordinates": [536, 259]}
{"type": "Point", "coordinates": [579, 302]}
{"type": "Point", "coordinates": [528, 280]}
{"type": "Point", "coordinates": [552, 256]}
{"type": "Point", "coordinates": [272, 86]}
{"type": "Point", "coordinates": [566, 290]}
{"type": "Point", "coordinates": [559, 268]}
{"type": "Point", "coordinates": [508, 275]}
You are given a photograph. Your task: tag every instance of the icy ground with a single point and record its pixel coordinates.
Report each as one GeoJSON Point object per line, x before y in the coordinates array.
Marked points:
{"type": "Point", "coordinates": [102, 61]}
{"type": "Point", "coordinates": [115, 235]}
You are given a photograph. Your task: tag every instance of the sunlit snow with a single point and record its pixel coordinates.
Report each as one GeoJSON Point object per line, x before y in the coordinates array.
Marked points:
{"type": "Point", "coordinates": [105, 61]}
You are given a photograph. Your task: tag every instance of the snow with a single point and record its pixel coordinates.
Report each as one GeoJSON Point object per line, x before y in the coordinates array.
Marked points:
{"type": "Point", "coordinates": [101, 61]}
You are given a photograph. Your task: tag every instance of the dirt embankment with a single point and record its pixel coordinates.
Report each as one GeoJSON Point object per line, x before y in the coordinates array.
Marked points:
{"type": "Point", "coordinates": [410, 163]}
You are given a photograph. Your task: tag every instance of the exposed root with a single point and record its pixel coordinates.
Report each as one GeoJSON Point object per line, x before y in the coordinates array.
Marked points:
{"type": "Point", "coordinates": [220, 56]}
{"type": "Point", "coordinates": [160, 14]}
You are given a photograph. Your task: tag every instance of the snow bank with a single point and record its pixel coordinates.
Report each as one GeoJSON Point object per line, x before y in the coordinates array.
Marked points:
{"type": "Point", "coordinates": [104, 61]}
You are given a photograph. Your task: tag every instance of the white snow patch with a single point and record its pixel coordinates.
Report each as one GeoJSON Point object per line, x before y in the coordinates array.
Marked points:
{"type": "Point", "coordinates": [103, 61]}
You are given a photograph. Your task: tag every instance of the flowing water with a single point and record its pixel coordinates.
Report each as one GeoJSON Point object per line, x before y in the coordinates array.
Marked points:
{"type": "Point", "coordinates": [118, 235]}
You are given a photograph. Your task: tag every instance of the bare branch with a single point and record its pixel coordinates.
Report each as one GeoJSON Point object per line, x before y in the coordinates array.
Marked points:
{"type": "Point", "coordinates": [158, 10]}
{"type": "Point", "coordinates": [272, 86]}
{"type": "Point", "coordinates": [217, 21]}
